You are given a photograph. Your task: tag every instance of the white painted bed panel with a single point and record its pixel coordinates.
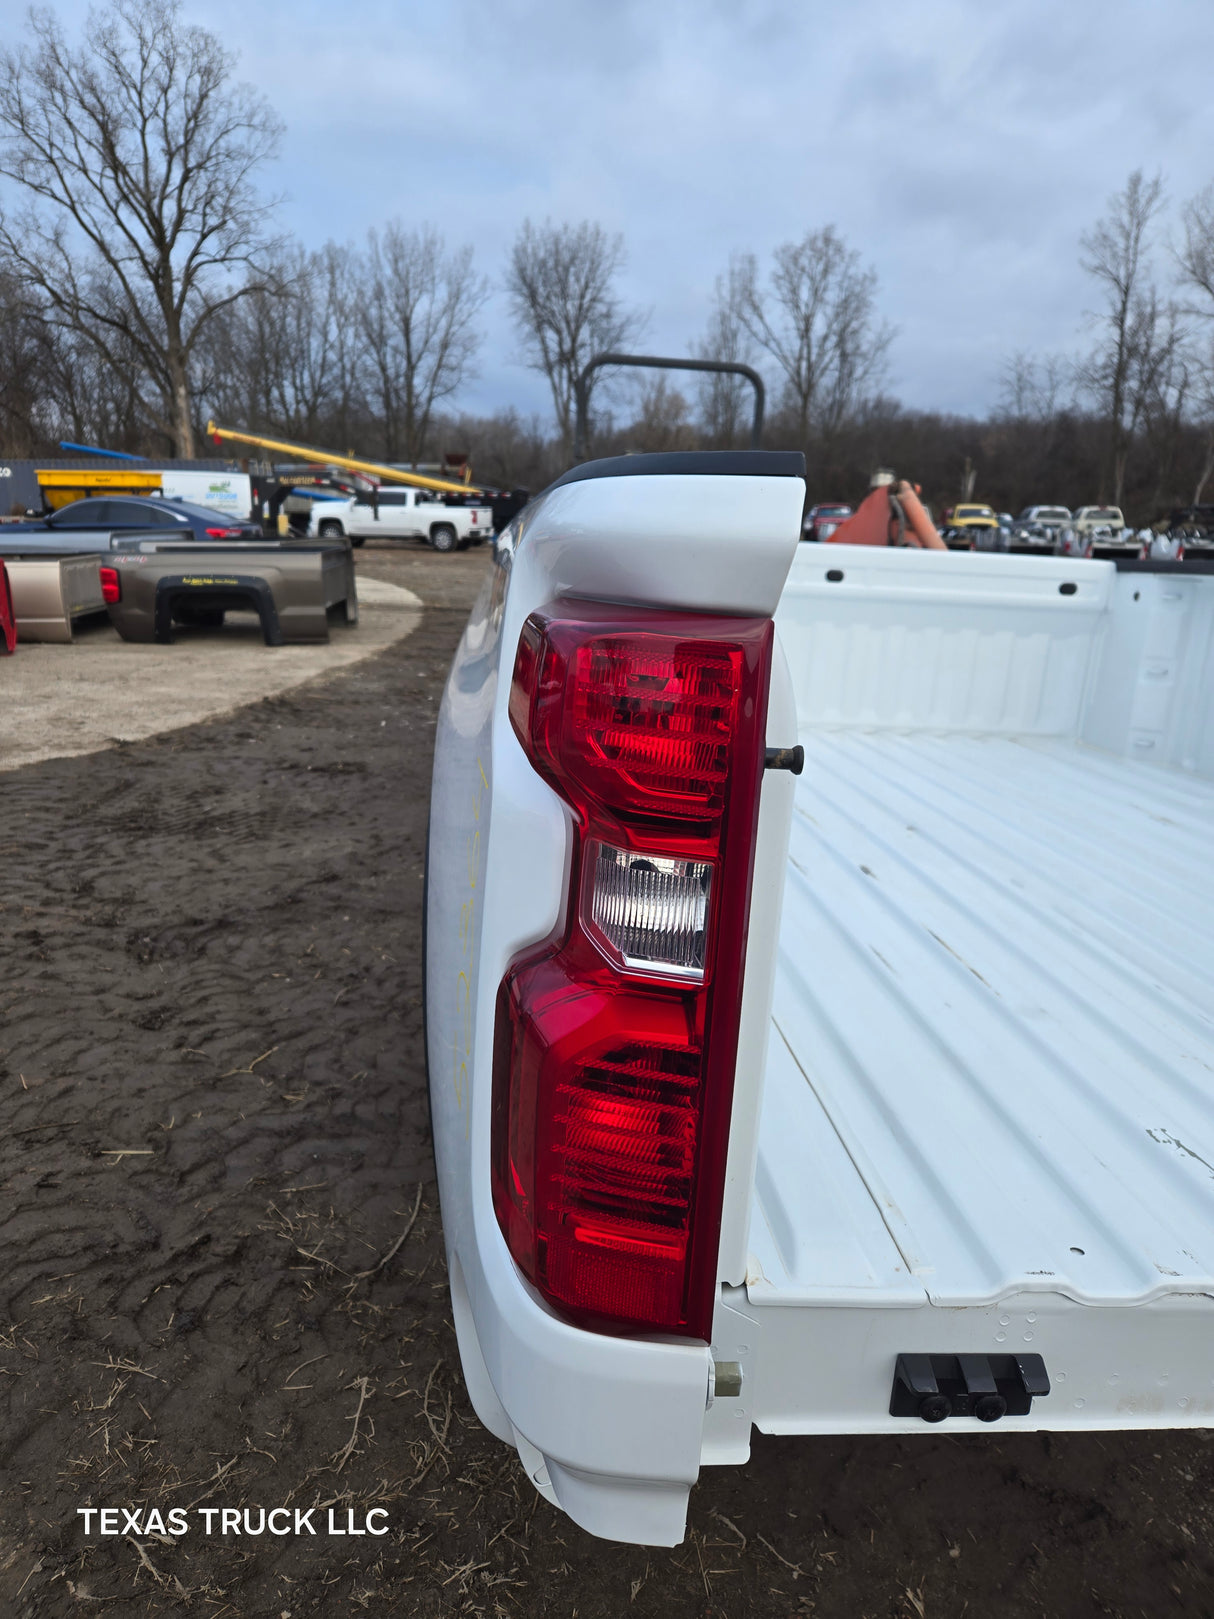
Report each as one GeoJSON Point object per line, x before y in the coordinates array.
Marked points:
{"type": "Point", "coordinates": [941, 640]}
{"type": "Point", "coordinates": [997, 976]}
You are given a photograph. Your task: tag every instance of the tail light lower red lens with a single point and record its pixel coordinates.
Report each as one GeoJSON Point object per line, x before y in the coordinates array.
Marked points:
{"type": "Point", "coordinates": [111, 585]}
{"type": "Point", "coordinates": [223, 534]}
{"type": "Point", "coordinates": [616, 1043]}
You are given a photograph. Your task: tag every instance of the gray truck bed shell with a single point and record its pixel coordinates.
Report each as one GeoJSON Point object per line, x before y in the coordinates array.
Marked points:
{"type": "Point", "coordinates": [16, 541]}
{"type": "Point", "coordinates": [303, 581]}
{"type": "Point", "coordinates": [51, 594]}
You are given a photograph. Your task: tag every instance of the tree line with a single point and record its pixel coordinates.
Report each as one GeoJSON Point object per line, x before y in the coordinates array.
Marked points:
{"type": "Point", "coordinates": [144, 287]}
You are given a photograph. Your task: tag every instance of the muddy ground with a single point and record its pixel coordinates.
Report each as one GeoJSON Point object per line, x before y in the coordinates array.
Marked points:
{"type": "Point", "coordinates": [221, 1273]}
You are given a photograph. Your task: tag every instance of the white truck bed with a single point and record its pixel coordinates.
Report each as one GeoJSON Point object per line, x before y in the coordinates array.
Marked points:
{"type": "Point", "coordinates": [971, 1133]}
{"type": "Point", "coordinates": [989, 982]}
{"type": "Point", "coordinates": [987, 1119]}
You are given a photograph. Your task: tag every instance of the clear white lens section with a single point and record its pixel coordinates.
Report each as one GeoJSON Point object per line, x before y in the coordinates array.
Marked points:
{"type": "Point", "coordinates": [652, 910]}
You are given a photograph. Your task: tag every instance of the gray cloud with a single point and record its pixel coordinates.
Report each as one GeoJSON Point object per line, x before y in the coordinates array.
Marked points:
{"type": "Point", "coordinates": [961, 146]}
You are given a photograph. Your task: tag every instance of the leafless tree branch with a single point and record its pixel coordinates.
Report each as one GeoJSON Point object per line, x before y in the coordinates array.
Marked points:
{"type": "Point", "coordinates": [418, 307]}
{"type": "Point", "coordinates": [1115, 253]}
{"type": "Point", "coordinates": [561, 284]}
{"type": "Point", "coordinates": [817, 320]}
{"type": "Point", "coordinates": [136, 154]}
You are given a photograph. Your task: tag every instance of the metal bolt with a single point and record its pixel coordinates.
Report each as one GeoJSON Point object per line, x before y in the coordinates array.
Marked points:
{"type": "Point", "coordinates": [990, 1407]}
{"type": "Point", "coordinates": [935, 1407]}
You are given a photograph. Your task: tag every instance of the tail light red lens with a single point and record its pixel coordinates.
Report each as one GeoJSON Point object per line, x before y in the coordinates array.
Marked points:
{"type": "Point", "coordinates": [223, 534]}
{"type": "Point", "coordinates": [616, 1043]}
{"type": "Point", "coordinates": [111, 585]}
{"type": "Point", "coordinates": [642, 720]}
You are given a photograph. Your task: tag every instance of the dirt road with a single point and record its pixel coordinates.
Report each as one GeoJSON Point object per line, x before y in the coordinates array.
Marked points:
{"type": "Point", "coordinates": [221, 1275]}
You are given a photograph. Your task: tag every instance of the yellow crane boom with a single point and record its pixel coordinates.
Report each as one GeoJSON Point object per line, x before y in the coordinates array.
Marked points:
{"type": "Point", "coordinates": [325, 458]}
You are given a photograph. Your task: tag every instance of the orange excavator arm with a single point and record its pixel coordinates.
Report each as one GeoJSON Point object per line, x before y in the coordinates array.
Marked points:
{"type": "Point", "coordinates": [890, 514]}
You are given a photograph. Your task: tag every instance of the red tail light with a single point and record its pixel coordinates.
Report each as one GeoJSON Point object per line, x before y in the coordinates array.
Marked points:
{"type": "Point", "coordinates": [111, 585]}
{"type": "Point", "coordinates": [616, 1044]}
{"type": "Point", "coordinates": [223, 534]}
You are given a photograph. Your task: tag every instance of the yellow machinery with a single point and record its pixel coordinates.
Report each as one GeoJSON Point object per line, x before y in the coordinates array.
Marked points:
{"type": "Point", "coordinates": [61, 487]}
{"type": "Point", "coordinates": [325, 458]}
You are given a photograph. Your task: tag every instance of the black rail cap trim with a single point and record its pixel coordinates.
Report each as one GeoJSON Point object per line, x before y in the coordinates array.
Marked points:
{"type": "Point", "coordinates": [1182, 567]}
{"type": "Point", "coordinates": [686, 463]}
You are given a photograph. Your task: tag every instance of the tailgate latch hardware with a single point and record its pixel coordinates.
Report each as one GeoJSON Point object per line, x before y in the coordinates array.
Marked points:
{"type": "Point", "coordinates": [933, 1387]}
{"type": "Point", "coordinates": [724, 1380]}
{"type": "Point", "coordinates": [785, 759]}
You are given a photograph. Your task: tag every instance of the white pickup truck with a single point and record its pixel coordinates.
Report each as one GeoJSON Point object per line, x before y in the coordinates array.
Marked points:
{"type": "Point", "coordinates": [850, 1101]}
{"type": "Point", "coordinates": [402, 514]}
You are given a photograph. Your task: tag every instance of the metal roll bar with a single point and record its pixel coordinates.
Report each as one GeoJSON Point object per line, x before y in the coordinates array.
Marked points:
{"type": "Point", "coordinates": [657, 363]}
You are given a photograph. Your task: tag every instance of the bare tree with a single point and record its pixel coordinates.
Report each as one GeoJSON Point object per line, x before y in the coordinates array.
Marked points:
{"type": "Point", "coordinates": [345, 399]}
{"type": "Point", "coordinates": [818, 321]}
{"type": "Point", "coordinates": [283, 357]}
{"type": "Point", "coordinates": [1201, 405]}
{"type": "Point", "coordinates": [561, 284]}
{"type": "Point", "coordinates": [88, 398]}
{"type": "Point", "coordinates": [137, 154]}
{"type": "Point", "coordinates": [23, 356]}
{"type": "Point", "coordinates": [662, 421]}
{"type": "Point", "coordinates": [417, 308]}
{"type": "Point", "coordinates": [1196, 264]}
{"type": "Point", "coordinates": [1161, 388]}
{"type": "Point", "coordinates": [725, 400]}
{"type": "Point", "coordinates": [312, 309]}
{"type": "Point", "coordinates": [1033, 388]}
{"type": "Point", "coordinates": [235, 363]}
{"type": "Point", "coordinates": [1115, 252]}
{"type": "Point", "coordinates": [506, 450]}
{"type": "Point", "coordinates": [54, 384]}
{"type": "Point", "coordinates": [1196, 254]}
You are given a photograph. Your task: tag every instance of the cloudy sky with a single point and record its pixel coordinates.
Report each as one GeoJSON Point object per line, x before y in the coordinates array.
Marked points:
{"type": "Point", "coordinates": [960, 145]}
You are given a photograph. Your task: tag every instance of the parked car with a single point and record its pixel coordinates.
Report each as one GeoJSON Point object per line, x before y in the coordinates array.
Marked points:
{"type": "Point", "coordinates": [1090, 518]}
{"type": "Point", "coordinates": [402, 514]}
{"type": "Point", "coordinates": [980, 538]}
{"type": "Point", "coordinates": [1054, 518]}
{"type": "Point", "coordinates": [1163, 547]}
{"type": "Point", "coordinates": [821, 521]}
{"type": "Point", "coordinates": [1194, 522]}
{"type": "Point", "coordinates": [1107, 544]}
{"type": "Point", "coordinates": [104, 514]}
{"type": "Point", "coordinates": [968, 515]}
{"type": "Point", "coordinates": [970, 527]}
{"type": "Point", "coordinates": [506, 505]}
{"type": "Point", "coordinates": [1036, 539]}
{"type": "Point", "coordinates": [747, 1118]}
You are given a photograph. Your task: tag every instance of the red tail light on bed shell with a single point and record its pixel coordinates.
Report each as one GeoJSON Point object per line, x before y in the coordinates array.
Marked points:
{"type": "Point", "coordinates": [616, 1043]}
{"type": "Point", "coordinates": [8, 618]}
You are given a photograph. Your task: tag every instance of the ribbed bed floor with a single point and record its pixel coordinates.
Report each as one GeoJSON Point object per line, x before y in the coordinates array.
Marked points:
{"type": "Point", "coordinates": [995, 1012]}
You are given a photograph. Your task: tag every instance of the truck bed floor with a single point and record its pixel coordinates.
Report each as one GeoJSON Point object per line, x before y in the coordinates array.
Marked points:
{"type": "Point", "coordinates": [997, 978]}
